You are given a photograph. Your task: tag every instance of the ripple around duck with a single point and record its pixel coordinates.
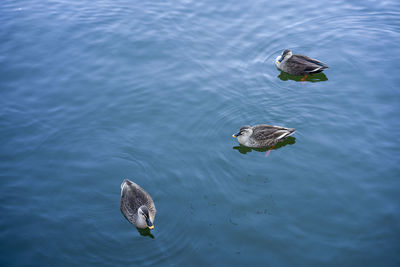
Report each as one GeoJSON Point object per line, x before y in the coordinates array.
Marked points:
{"type": "Point", "coordinates": [219, 155]}
{"type": "Point", "coordinates": [102, 222]}
{"type": "Point", "coordinates": [349, 31]}
{"type": "Point", "coordinates": [166, 242]}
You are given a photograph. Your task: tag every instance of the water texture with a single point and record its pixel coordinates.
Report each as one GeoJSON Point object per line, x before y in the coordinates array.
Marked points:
{"type": "Point", "coordinates": [95, 92]}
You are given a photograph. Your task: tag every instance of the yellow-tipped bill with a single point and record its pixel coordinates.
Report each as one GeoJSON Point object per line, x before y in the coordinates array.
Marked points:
{"type": "Point", "coordinates": [149, 223]}
{"type": "Point", "coordinates": [278, 60]}
{"type": "Point", "coordinates": [236, 134]}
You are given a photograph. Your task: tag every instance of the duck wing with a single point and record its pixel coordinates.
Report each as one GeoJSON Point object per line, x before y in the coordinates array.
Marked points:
{"type": "Point", "coordinates": [307, 64]}
{"type": "Point", "coordinates": [271, 133]}
{"type": "Point", "coordinates": [303, 58]}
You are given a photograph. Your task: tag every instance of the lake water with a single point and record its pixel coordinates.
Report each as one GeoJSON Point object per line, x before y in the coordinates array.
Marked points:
{"type": "Point", "coordinates": [93, 92]}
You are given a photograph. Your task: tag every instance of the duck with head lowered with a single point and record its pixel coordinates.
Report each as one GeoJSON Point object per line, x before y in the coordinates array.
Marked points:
{"type": "Point", "coordinates": [299, 64]}
{"type": "Point", "coordinates": [137, 205]}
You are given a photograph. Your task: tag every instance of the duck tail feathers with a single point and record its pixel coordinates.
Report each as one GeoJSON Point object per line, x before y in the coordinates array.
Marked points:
{"type": "Point", "coordinates": [124, 182]}
{"type": "Point", "coordinates": [285, 133]}
{"type": "Point", "coordinates": [318, 69]}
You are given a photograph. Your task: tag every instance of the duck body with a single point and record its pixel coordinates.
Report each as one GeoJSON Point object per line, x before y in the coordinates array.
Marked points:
{"type": "Point", "coordinates": [137, 205]}
{"type": "Point", "coordinates": [262, 135]}
{"type": "Point", "coordinates": [298, 64]}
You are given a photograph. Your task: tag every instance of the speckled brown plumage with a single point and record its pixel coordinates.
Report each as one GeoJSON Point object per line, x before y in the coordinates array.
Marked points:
{"type": "Point", "coordinates": [132, 197]}
{"type": "Point", "coordinates": [300, 64]}
{"type": "Point", "coordinates": [267, 135]}
{"type": "Point", "coordinates": [263, 135]}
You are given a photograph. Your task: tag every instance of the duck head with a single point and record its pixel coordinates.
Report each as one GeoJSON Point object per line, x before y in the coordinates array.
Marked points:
{"type": "Point", "coordinates": [243, 135]}
{"type": "Point", "coordinates": [286, 54]}
{"type": "Point", "coordinates": [144, 218]}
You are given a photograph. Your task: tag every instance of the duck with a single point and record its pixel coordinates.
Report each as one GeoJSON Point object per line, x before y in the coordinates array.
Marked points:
{"type": "Point", "coordinates": [298, 64]}
{"type": "Point", "coordinates": [137, 205]}
{"type": "Point", "coordinates": [262, 135]}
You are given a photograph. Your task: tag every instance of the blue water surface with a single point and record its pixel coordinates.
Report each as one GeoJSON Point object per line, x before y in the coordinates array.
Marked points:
{"type": "Point", "coordinates": [93, 92]}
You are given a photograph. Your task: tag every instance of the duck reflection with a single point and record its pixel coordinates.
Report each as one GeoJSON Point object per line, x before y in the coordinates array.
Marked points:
{"type": "Point", "coordinates": [288, 141]}
{"type": "Point", "coordinates": [318, 77]}
{"type": "Point", "coordinates": [145, 232]}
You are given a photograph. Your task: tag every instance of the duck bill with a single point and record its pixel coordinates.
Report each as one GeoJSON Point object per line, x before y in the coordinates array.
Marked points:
{"type": "Point", "coordinates": [149, 224]}
{"type": "Point", "coordinates": [235, 135]}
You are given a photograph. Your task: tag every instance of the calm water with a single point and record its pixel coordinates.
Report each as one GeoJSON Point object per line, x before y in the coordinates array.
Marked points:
{"type": "Point", "coordinates": [95, 92]}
